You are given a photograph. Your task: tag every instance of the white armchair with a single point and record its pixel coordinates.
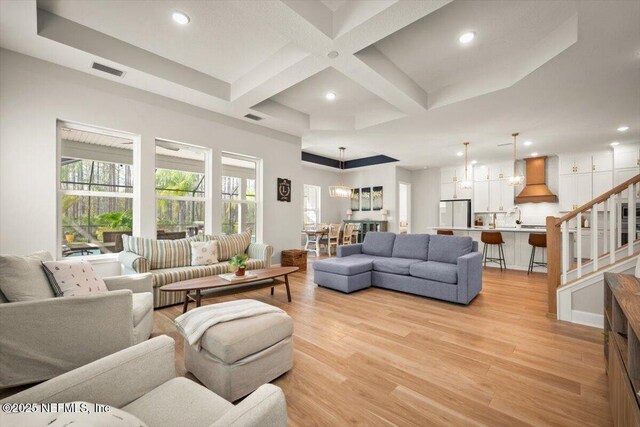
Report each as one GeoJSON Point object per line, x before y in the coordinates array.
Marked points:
{"type": "Point", "coordinates": [44, 338]}
{"type": "Point", "coordinates": [141, 380]}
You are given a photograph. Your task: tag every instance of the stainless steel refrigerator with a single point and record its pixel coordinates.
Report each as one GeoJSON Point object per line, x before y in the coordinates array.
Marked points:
{"type": "Point", "coordinates": [455, 213]}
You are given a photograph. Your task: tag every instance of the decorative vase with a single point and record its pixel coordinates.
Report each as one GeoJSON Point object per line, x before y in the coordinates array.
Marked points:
{"type": "Point", "coordinates": [69, 237]}
{"type": "Point", "coordinates": [240, 271]}
{"type": "Point", "coordinates": [518, 225]}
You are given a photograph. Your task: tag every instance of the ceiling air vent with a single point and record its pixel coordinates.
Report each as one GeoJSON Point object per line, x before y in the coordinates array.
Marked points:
{"type": "Point", "coordinates": [253, 117]}
{"type": "Point", "coordinates": [505, 144]}
{"type": "Point", "coordinates": [107, 69]}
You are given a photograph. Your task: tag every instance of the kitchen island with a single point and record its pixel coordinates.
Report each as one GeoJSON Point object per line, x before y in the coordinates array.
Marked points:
{"type": "Point", "coordinates": [517, 250]}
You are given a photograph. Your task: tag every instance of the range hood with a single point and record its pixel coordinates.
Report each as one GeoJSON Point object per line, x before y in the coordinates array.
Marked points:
{"type": "Point", "coordinates": [535, 189]}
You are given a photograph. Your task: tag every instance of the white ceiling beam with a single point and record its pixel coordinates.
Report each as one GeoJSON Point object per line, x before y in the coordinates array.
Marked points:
{"type": "Point", "coordinates": [407, 91]}
{"type": "Point", "coordinates": [389, 20]}
{"type": "Point", "coordinates": [78, 36]}
{"type": "Point", "coordinates": [287, 57]}
{"type": "Point", "coordinates": [278, 111]}
{"type": "Point", "coordinates": [356, 12]}
{"type": "Point", "coordinates": [316, 13]}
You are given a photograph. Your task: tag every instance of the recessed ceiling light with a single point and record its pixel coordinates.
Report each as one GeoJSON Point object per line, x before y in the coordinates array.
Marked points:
{"type": "Point", "coordinates": [333, 54]}
{"type": "Point", "coordinates": [614, 143]}
{"type": "Point", "coordinates": [473, 162]}
{"type": "Point", "coordinates": [534, 154]}
{"type": "Point", "coordinates": [459, 154]}
{"type": "Point", "coordinates": [528, 143]}
{"type": "Point", "coordinates": [181, 18]}
{"type": "Point", "coordinates": [623, 128]}
{"type": "Point", "coordinates": [467, 37]}
{"type": "Point", "coordinates": [330, 96]}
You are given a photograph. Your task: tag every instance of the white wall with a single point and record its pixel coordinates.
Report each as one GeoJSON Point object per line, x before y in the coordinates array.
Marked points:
{"type": "Point", "coordinates": [370, 176]}
{"type": "Point", "coordinates": [425, 199]}
{"type": "Point", "coordinates": [36, 93]}
{"type": "Point", "coordinates": [332, 210]}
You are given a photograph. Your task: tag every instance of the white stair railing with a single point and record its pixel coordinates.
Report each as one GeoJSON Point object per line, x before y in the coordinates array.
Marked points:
{"type": "Point", "coordinates": [565, 256]}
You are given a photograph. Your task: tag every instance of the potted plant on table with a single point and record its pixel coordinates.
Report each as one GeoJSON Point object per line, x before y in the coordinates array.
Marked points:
{"type": "Point", "coordinates": [240, 263]}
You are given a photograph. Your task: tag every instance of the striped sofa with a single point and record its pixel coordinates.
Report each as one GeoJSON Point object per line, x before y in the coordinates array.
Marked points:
{"type": "Point", "coordinates": [170, 260]}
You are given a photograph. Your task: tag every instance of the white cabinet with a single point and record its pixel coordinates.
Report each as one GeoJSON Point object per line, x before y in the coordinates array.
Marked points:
{"type": "Point", "coordinates": [574, 190]}
{"type": "Point", "coordinates": [602, 182]}
{"type": "Point", "coordinates": [622, 175]}
{"type": "Point", "coordinates": [463, 193]}
{"type": "Point", "coordinates": [448, 190]}
{"type": "Point", "coordinates": [481, 196]}
{"type": "Point", "coordinates": [574, 163]}
{"type": "Point", "coordinates": [500, 196]}
{"type": "Point", "coordinates": [481, 173]}
{"type": "Point", "coordinates": [500, 170]}
{"type": "Point", "coordinates": [602, 161]}
{"type": "Point", "coordinates": [625, 157]}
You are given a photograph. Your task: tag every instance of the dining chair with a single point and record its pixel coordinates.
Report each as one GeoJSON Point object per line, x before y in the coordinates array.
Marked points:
{"type": "Point", "coordinates": [347, 234]}
{"type": "Point", "coordinates": [333, 239]}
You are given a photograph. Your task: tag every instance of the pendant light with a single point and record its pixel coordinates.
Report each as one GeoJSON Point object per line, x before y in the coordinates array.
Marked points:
{"type": "Point", "coordinates": [515, 179]}
{"type": "Point", "coordinates": [341, 191]}
{"type": "Point", "coordinates": [466, 184]}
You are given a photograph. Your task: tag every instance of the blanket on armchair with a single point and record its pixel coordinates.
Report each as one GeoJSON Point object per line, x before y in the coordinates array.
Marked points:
{"type": "Point", "coordinates": [193, 324]}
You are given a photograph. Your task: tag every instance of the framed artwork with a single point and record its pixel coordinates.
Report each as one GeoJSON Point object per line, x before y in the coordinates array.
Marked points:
{"type": "Point", "coordinates": [365, 199]}
{"type": "Point", "coordinates": [376, 198]}
{"type": "Point", "coordinates": [355, 200]}
{"type": "Point", "coordinates": [284, 190]}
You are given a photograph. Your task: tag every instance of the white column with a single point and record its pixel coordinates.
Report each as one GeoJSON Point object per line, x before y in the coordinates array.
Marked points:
{"type": "Point", "coordinates": [565, 250]}
{"type": "Point", "coordinates": [594, 237]}
{"type": "Point", "coordinates": [579, 245]}
{"type": "Point", "coordinates": [144, 187]}
{"type": "Point", "coordinates": [612, 229]}
{"type": "Point", "coordinates": [631, 218]}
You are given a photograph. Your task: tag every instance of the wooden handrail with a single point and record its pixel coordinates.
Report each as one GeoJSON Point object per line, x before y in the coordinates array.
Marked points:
{"type": "Point", "coordinates": [615, 190]}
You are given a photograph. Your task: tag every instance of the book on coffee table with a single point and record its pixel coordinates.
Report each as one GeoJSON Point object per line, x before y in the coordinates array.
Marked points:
{"type": "Point", "coordinates": [231, 277]}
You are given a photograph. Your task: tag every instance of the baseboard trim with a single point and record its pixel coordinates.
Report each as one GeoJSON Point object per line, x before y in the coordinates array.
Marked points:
{"type": "Point", "coordinates": [588, 319]}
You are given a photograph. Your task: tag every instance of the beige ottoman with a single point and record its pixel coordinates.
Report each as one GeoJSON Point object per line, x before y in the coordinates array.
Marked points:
{"type": "Point", "coordinates": [239, 356]}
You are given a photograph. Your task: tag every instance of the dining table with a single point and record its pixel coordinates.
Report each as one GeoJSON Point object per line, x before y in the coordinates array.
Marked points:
{"type": "Point", "coordinates": [314, 238]}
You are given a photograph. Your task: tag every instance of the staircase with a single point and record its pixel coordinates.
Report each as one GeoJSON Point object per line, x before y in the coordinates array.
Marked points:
{"type": "Point", "coordinates": [613, 247]}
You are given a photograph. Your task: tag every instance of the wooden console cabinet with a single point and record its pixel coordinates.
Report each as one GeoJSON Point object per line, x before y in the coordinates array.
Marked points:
{"type": "Point", "coordinates": [622, 346]}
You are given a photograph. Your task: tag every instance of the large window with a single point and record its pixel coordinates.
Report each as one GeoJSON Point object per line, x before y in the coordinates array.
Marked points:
{"type": "Point", "coordinates": [96, 190]}
{"type": "Point", "coordinates": [239, 194]}
{"type": "Point", "coordinates": [180, 189]}
{"type": "Point", "coordinates": [311, 206]}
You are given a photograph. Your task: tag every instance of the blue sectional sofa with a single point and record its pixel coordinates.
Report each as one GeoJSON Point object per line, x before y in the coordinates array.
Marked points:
{"type": "Point", "coordinates": [443, 267]}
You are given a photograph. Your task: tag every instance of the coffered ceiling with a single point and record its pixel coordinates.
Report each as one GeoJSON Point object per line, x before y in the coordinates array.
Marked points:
{"type": "Point", "coordinates": [565, 74]}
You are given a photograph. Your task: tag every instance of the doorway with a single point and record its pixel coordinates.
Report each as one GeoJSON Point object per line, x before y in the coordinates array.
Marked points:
{"type": "Point", "coordinates": [404, 207]}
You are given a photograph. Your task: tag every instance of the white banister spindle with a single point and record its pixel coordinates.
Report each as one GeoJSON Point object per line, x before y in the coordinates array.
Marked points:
{"type": "Point", "coordinates": [565, 250]}
{"type": "Point", "coordinates": [631, 218]}
{"type": "Point", "coordinates": [612, 229]}
{"type": "Point", "coordinates": [579, 245]}
{"type": "Point", "coordinates": [594, 238]}
{"type": "Point", "coordinates": [605, 233]}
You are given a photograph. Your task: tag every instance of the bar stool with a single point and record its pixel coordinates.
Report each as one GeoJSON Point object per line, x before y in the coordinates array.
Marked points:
{"type": "Point", "coordinates": [536, 240]}
{"type": "Point", "coordinates": [445, 232]}
{"type": "Point", "coordinates": [490, 238]}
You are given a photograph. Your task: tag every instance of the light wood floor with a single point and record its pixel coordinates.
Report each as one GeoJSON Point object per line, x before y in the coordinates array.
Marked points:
{"type": "Point", "coordinates": [379, 357]}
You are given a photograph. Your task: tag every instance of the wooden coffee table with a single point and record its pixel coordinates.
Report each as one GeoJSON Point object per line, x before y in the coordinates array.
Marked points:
{"type": "Point", "coordinates": [220, 286]}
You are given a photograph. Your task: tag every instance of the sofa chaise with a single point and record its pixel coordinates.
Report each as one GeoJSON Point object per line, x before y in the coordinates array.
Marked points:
{"type": "Point", "coordinates": [448, 268]}
{"type": "Point", "coordinates": [169, 261]}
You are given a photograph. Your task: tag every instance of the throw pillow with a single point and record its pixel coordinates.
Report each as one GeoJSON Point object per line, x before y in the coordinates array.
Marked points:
{"type": "Point", "coordinates": [23, 279]}
{"type": "Point", "coordinates": [204, 253]}
{"type": "Point", "coordinates": [71, 278]}
{"type": "Point", "coordinates": [231, 244]}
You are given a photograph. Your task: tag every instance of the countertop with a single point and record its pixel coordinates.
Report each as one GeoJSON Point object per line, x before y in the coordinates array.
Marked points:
{"type": "Point", "coordinates": [486, 228]}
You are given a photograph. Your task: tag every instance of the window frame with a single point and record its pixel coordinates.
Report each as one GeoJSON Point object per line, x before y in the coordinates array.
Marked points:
{"type": "Point", "coordinates": [318, 203]}
{"type": "Point", "coordinates": [258, 186]}
{"type": "Point", "coordinates": [206, 198]}
{"type": "Point", "coordinates": [60, 192]}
